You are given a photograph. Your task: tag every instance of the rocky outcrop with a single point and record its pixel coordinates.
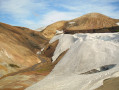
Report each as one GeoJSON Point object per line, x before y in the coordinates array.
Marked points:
{"type": "Point", "coordinates": [101, 30]}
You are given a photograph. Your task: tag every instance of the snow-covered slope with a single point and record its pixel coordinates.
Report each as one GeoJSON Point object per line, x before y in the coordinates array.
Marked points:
{"type": "Point", "coordinates": [117, 23]}
{"type": "Point", "coordinates": [91, 58]}
{"type": "Point", "coordinates": [65, 41]}
{"type": "Point", "coordinates": [41, 28]}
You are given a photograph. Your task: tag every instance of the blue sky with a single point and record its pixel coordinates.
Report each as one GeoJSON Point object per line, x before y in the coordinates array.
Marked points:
{"type": "Point", "coordinates": [37, 13]}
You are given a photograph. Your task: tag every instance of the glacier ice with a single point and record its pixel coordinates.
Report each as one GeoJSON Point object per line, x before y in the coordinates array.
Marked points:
{"type": "Point", "coordinates": [87, 52]}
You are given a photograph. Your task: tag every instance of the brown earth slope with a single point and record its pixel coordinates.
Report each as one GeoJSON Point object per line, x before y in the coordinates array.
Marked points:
{"type": "Point", "coordinates": [84, 23]}
{"type": "Point", "coordinates": [50, 30]}
{"type": "Point", "coordinates": [26, 77]}
{"type": "Point", "coordinates": [91, 21]}
{"type": "Point", "coordinates": [18, 47]}
{"type": "Point", "coordinates": [110, 84]}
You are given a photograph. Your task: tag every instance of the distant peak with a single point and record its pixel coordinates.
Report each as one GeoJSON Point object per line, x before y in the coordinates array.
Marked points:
{"type": "Point", "coordinates": [94, 14]}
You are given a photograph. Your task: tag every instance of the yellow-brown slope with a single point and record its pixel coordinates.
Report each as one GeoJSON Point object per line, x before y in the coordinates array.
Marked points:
{"type": "Point", "coordinates": [83, 24]}
{"type": "Point", "coordinates": [50, 30]}
{"type": "Point", "coordinates": [91, 21]}
{"type": "Point", "coordinates": [18, 48]}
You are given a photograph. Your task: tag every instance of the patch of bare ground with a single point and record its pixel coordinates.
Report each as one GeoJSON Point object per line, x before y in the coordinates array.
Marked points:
{"type": "Point", "coordinates": [110, 84]}
{"type": "Point", "coordinates": [29, 76]}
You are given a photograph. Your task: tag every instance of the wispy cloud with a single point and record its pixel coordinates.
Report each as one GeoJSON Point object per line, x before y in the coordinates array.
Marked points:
{"type": "Point", "coordinates": [21, 8]}
{"type": "Point", "coordinates": [37, 13]}
{"type": "Point", "coordinates": [54, 16]}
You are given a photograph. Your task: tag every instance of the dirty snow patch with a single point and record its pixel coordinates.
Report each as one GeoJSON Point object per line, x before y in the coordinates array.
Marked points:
{"type": "Point", "coordinates": [59, 32]}
{"type": "Point", "coordinates": [72, 22]}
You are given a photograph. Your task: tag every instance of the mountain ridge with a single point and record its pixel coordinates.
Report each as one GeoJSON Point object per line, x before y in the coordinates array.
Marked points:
{"type": "Point", "coordinates": [86, 22]}
{"type": "Point", "coordinates": [18, 47]}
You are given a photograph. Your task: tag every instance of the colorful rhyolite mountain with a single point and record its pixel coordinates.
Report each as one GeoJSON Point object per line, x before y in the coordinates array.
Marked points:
{"type": "Point", "coordinates": [89, 23]}
{"type": "Point", "coordinates": [87, 55]}
{"type": "Point", "coordinates": [18, 47]}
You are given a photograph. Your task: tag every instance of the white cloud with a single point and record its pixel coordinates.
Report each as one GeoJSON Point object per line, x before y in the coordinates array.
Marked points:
{"type": "Point", "coordinates": [20, 8]}
{"type": "Point", "coordinates": [49, 18]}
{"type": "Point", "coordinates": [54, 16]}
{"type": "Point", "coordinates": [14, 7]}
{"type": "Point", "coordinates": [24, 11]}
{"type": "Point", "coordinates": [101, 6]}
